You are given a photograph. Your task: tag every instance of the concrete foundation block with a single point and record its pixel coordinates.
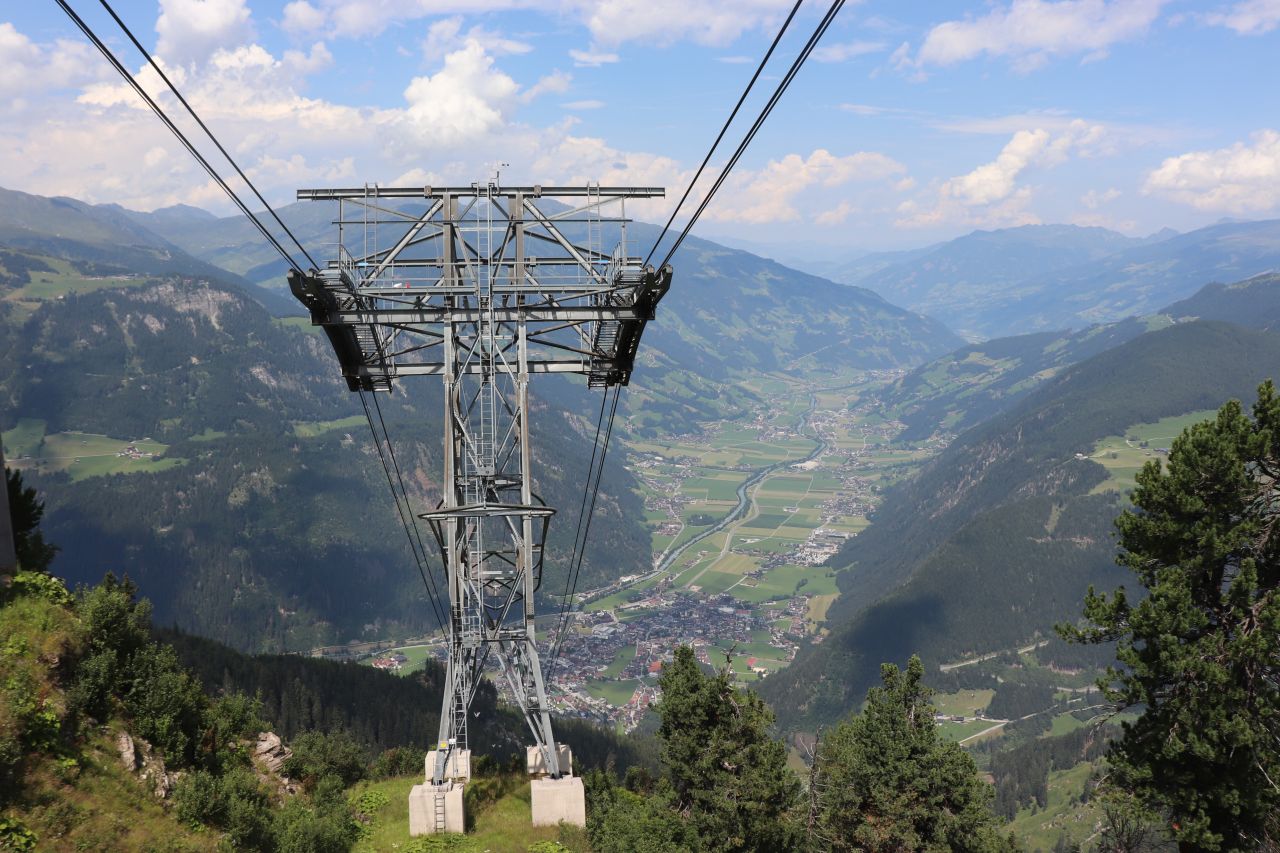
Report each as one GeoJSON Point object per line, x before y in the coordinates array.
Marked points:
{"type": "Point", "coordinates": [556, 800]}
{"type": "Point", "coordinates": [437, 808]}
{"type": "Point", "coordinates": [456, 769]}
{"type": "Point", "coordinates": [537, 765]}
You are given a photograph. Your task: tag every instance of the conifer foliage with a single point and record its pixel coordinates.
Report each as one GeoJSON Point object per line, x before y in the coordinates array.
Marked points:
{"type": "Point", "coordinates": [26, 510]}
{"type": "Point", "coordinates": [884, 780]}
{"type": "Point", "coordinates": [1200, 652]}
{"type": "Point", "coordinates": [727, 773]}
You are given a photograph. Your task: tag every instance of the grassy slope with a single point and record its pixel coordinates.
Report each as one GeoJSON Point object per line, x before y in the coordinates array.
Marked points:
{"type": "Point", "coordinates": [72, 796]}
{"type": "Point", "coordinates": [498, 818]}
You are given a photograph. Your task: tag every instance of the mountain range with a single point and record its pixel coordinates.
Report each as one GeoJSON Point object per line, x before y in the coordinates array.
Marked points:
{"type": "Point", "coordinates": [1046, 277]}
{"type": "Point", "coordinates": [999, 536]}
{"type": "Point", "coordinates": [265, 520]}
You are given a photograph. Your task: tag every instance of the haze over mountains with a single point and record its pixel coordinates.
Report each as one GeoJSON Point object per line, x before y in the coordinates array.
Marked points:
{"type": "Point", "coordinates": [1046, 277]}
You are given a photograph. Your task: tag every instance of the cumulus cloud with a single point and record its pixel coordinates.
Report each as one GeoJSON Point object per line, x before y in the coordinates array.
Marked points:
{"type": "Point", "coordinates": [1250, 18]}
{"type": "Point", "coordinates": [1243, 178]}
{"type": "Point", "coordinates": [301, 17]}
{"type": "Point", "coordinates": [768, 194]}
{"type": "Point", "coordinates": [1094, 199]}
{"type": "Point", "coordinates": [28, 69]}
{"type": "Point", "coordinates": [708, 22]}
{"type": "Point", "coordinates": [1030, 32]}
{"type": "Point", "coordinates": [190, 31]}
{"type": "Point", "coordinates": [557, 82]}
{"type": "Point", "coordinates": [835, 216]}
{"type": "Point", "coordinates": [445, 36]}
{"type": "Point", "coordinates": [610, 22]}
{"type": "Point", "coordinates": [991, 194]}
{"type": "Point", "coordinates": [465, 99]}
{"type": "Point", "coordinates": [318, 59]}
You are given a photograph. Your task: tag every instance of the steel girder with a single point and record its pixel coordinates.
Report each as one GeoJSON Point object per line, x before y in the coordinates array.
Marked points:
{"type": "Point", "coordinates": [457, 293]}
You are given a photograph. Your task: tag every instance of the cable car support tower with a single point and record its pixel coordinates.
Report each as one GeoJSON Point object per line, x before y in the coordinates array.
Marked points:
{"type": "Point", "coordinates": [485, 286]}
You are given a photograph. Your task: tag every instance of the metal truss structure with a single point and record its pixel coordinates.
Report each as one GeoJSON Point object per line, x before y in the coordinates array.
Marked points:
{"type": "Point", "coordinates": [484, 286]}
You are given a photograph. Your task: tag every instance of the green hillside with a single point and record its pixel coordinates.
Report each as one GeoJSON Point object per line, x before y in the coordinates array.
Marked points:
{"type": "Point", "coordinates": [974, 383]}
{"type": "Point", "coordinates": [261, 517]}
{"type": "Point", "coordinates": [999, 536]}
{"type": "Point", "coordinates": [1254, 302]}
{"type": "Point", "coordinates": [729, 313]}
{"type": "Point", "coordinates": [213, 454]}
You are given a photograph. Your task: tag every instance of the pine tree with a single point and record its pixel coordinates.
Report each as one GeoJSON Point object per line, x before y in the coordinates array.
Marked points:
{"type": "Point", "coordinates": [891, 783]}
{"type": "Point", "coordinates": [727, 772]}
{"type": "Point", "coordinates": [1200, 653]}
{"type": "Point", "coordinates": [26, 510]}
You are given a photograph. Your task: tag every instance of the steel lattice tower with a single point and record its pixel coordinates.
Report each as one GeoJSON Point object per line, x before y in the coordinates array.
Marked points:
{"type": "Point", "coordinates": [484, 287]}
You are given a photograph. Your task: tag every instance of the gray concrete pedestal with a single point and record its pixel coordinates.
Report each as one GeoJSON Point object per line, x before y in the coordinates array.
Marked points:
{"type": "Point", "coordinates": [556, 800]}
{"type": "Point", "coordinates": [436, 808]}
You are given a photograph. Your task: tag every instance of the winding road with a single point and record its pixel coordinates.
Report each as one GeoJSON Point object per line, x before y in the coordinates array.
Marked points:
{"type": "Point", "coordinates": [744, 503]}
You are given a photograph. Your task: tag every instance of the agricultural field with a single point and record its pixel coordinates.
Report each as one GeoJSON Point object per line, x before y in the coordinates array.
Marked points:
{"type": "Point", "coordinates": [616, 693]}
{"type": "Point", "coordinates": [312, 429]}
{"type": "Point", "coordinates": [965, 703]}
{"type": "Point", "coordinates": [743, 517]}
{"type": "Point", "coordinates": [82, 455]}
{"type": "Point", "coordinates": [1124, 455]}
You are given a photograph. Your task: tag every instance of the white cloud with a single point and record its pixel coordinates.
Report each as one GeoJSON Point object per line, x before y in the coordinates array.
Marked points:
{"type": "Point", "coordinates": [1243, 178]}
{"type": "Point", "coordinates": [301, 17]}
{"type": "Point", "coordinates": [583, 105]}
{"type": "Point", "coordinates": [190, 31]}
{"type": "Point", "coordinates": [610, 22]}
{"type": "Point", "coordinates": [995, 181]}
{"type": "Point", "coordinates": [446, 36]}
{"type": "Point", "coordinates": [768, 195]}
{"type": "Point", "coordinates": [466, 99]}
{"type": "Point", "coordinates": [318, 59]}
{"type": "Point", "coordinates": [835, 216]}
{"type": "Point", "coordinates": [1249, 18]}
{"type": "Point", "coordinates": [735, 60]}
{"type": "Point", "coordinates": [557, 82]}
{"type": "Point", "coordinates": [848, 50]}
{"type": "Point", "coordinates": [28, 69]}
{"type": "Point", "coordinates": [1030, 32]}
{"type": "Point", "coordinates": [990, 194]}
{"type": "Point", "coordinates": [592, 58]}
{"type": "Point", "coordinates": [708, 22]}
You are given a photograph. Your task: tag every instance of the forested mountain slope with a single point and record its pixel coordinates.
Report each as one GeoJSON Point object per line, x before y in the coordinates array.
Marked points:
{"type": "Point", "coordinates": [1254, 302]}
{"type": "Point", "coordinates": [974, 383]}
{"type": "Point", "coordinates": [263, 519]}
{"type": "Point", "coordinates": [999, 536]}
{"type": "Point", "coordinates": [961, 279]}
{"type": "Point", "coordinates": [103, 239]}
{"type": "Point", "coordinates": [728, 311]}
{"type": "Point", "coordinates": [258, 512]}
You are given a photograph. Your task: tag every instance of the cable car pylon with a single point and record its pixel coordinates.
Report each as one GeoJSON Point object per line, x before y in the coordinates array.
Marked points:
{"type": "Point", "coordinates": [485, 286]}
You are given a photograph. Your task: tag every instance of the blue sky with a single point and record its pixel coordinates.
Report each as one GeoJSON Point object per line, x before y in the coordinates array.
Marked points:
{"type": "Point", "coordinates": [914, 122]}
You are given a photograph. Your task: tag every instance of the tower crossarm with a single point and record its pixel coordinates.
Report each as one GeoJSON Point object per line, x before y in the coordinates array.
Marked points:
{"type": "Point", "coordinates": [384, 309]}
{"type": "Point", "coordinates": [485, 286]}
